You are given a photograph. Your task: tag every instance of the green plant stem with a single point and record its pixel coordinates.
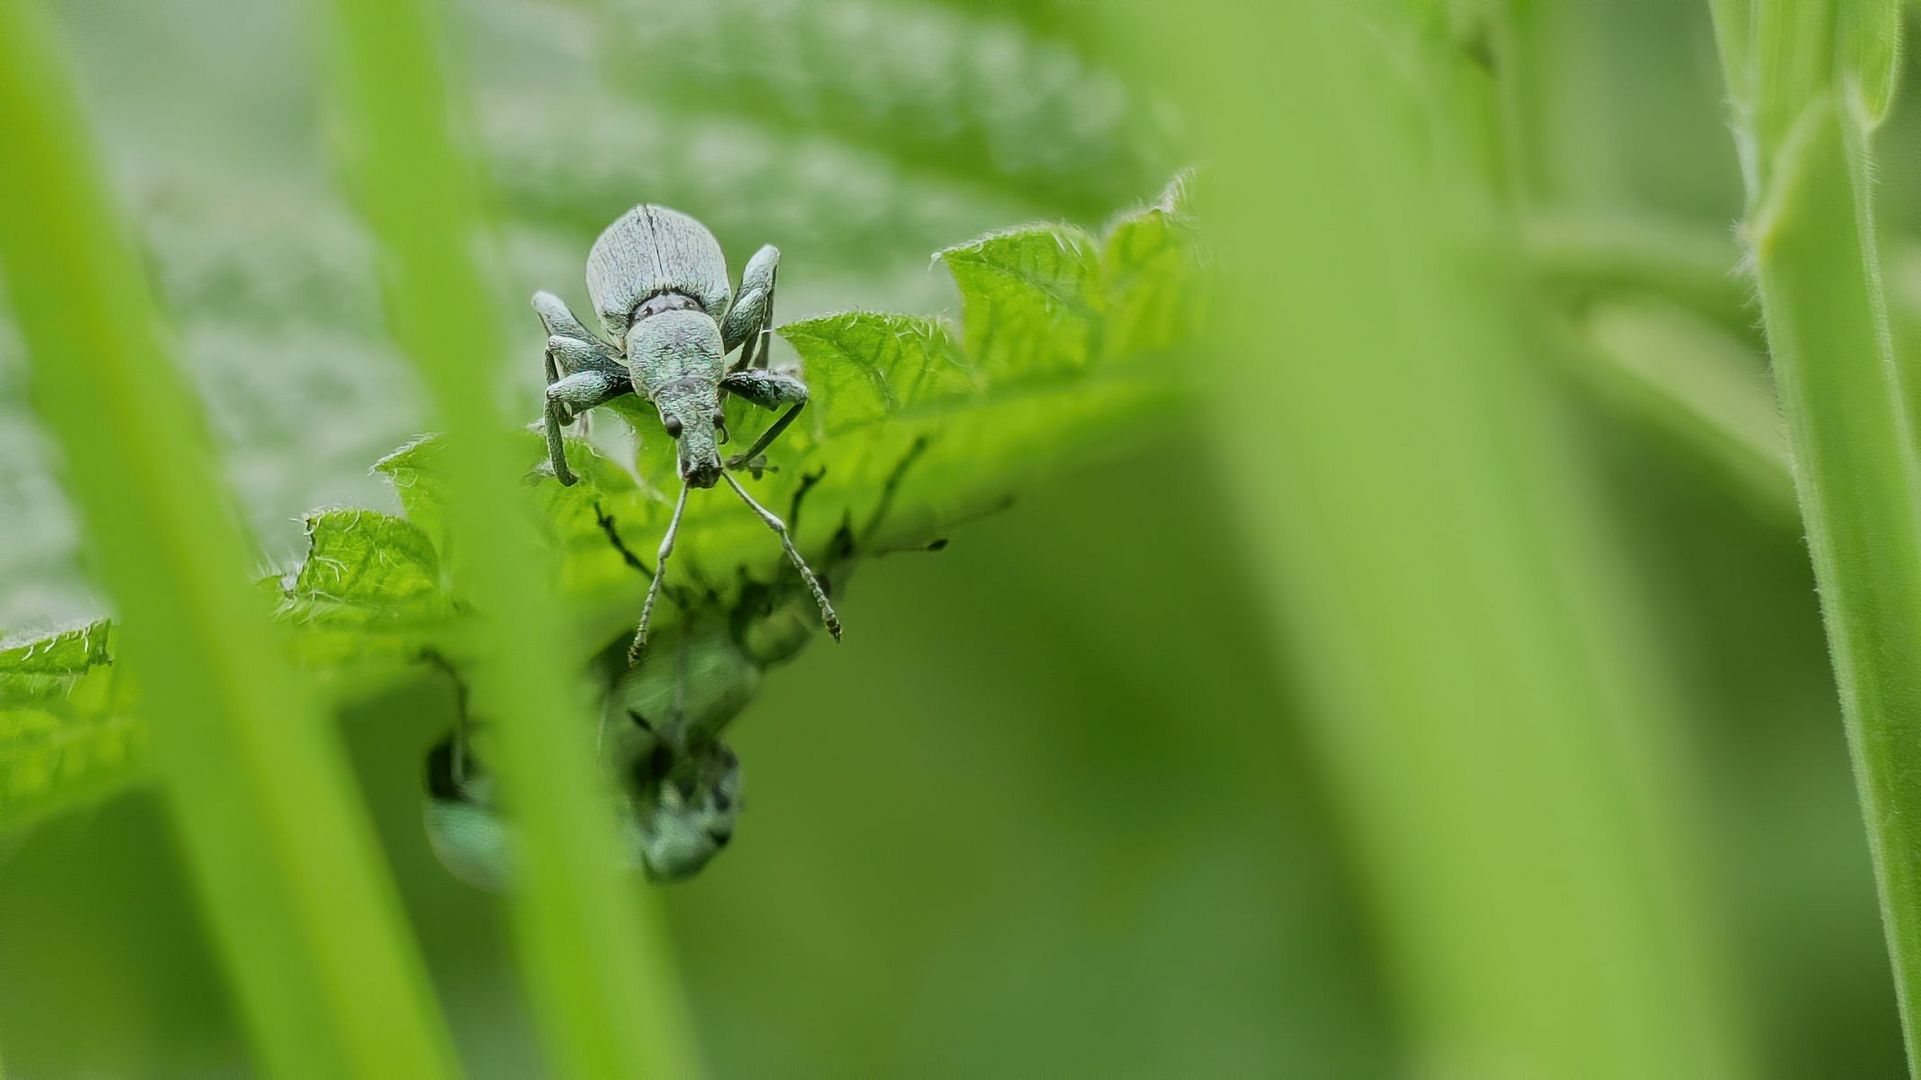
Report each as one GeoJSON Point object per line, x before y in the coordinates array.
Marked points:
{"type": "Point", "coordinates": [1810, 230]}
{"type": "Point", "coordinates": [1857, 478]}
{"type": "Point", "coordinates": [282, 856]}
{"type": "Point", "coordinates": [595, 961]}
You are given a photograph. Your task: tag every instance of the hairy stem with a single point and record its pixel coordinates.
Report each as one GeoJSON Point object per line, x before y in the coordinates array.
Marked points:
{"type": "Point", "coordinates": [1810, 231]}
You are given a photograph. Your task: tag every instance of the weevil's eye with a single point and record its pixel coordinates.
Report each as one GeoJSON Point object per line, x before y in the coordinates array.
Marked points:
{"type": "Point", "coordinates": [673, 426]}
{"type": "Point", "coordinates": [719, 421]}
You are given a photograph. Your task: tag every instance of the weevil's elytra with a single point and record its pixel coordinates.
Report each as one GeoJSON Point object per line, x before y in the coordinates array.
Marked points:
{"type": "Point", "coordinates": [651, 250]}
{"type": "Point", "coordinates": [658, 281]}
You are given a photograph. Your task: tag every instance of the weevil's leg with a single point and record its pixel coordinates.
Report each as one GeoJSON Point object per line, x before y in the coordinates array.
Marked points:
{"type": "Point", "coordinates": [748, 321]}
{"type": "Point", "coordinates": [660, 573]}
{"type": "Point", "coordinates": [769, 390]}
{"type": "Point", "coordinates": [574, 356]}
{"type": "Point", "coordinates": [571, 395]}
{"type": "Point", "coordinates": [559, 320]}
{"type": "Point", "coordinates": [556, 449]}
{"type": "Point", "coordinates": [793, 555]}
{"type": "Point", "coordinates": [572, 350]}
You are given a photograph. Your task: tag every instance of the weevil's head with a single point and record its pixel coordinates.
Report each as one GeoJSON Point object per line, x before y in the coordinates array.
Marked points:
{"type": "Point", "coordinates": [690, 411]}
{"type": "Point", "coordinates": [683, 808]}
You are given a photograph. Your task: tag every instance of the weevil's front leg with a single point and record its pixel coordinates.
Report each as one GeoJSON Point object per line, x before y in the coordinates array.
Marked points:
{"type": "Point", "coordinates": [769, 390]}
{"type": "Point", "coordinates": [570, 396]}
{"type": "Point", "coordinates": [580, 375]}
{"type": "Point", "coordinates": [573, 350]}
{"type": "Point", "coordinates": [748, 322]}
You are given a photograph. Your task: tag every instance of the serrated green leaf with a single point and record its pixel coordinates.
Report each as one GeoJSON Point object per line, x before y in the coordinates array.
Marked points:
{"type": "Point", "coordinates": [66, 737]}
{"type": "Point", "coordinates": [370, 592]}
{"type": "Point", "coordinates": [1030, 299]}
{"type": "Point", "coordinates": [416, 479]}
{"type": "Point", "coordinates": [1151, 277]}
{"type": "Point", "coordinates": [368, 560]}
{"type": "Point", "coordinates": [67, 653]}
{"type": "Point", "coordinates": [865, 366]}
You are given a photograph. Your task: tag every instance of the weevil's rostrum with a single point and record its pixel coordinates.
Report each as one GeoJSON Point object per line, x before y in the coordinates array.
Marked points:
{"type": "Point", "coordinates": [658, 281]}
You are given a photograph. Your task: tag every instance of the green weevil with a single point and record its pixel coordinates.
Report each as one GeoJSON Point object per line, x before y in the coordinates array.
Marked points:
{"type": "Point", "coordinates": [658, 282]}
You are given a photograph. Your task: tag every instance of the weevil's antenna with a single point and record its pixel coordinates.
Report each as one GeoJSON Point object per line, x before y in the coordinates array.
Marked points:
{"type": "Point", "coordinates": [787, 544]}
{"type": "Point", "coordinates": [653, 587]}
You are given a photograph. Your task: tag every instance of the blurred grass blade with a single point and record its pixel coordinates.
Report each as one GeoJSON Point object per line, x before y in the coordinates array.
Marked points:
{"type": "Point", "coordinates": [1871, 58]}
{"type": "Point", "coordinates": [284, 861]}
{"type": "Point", "coordinates": [601, 987]}
{"type": "Point", "coordinates": [1734, 37]}
{"type": "Point", "coordinates": [1458, 624]}
{"type": "Point", "coordinates": [1811, 236]}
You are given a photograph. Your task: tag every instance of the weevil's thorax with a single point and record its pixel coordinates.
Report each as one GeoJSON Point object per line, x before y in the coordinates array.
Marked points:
{"type": "Point", "coordinates": [649, 252]}
{"type": "Point", "coordinates": [669, 343]}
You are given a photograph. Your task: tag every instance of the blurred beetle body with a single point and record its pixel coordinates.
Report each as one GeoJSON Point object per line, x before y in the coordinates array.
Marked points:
{"type": "Point", "coordinates": [677, 785]}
